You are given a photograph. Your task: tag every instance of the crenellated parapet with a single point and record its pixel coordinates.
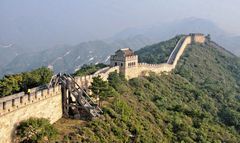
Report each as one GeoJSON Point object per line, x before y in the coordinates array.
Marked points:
{"type": "Point", "coordinates": [20, 100]}
{"type": "Point", "coordinates": [150, 65]}
{"type": "Point", "coordinates": [131, 57]}
{"type": "Point", "coordinates": [40, 103]}
{"type": "Point", "coordinates": [131, 68]}
{"type": "Point", "coordinates": [85, 81]}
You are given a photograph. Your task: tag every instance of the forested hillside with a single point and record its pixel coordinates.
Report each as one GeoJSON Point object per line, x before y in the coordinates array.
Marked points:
{"type": "Point", "coordinates": [158, 53]}
{"type": "Point", "coordinates": [198, 102]}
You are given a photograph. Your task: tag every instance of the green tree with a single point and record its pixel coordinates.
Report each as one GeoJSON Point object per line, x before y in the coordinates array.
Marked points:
{"type": "Point", "coordinates": [35, 130]}
{"type": "Point", "coordinates": [118, 82]}
{"type": "Point", "coordinates": [230, 117]}
{"type": "Point", "coordinates": [45, 75]}
{"type": "Point", "coordinates": [10, 84]}
{"type": "Point", "coordinates": [36, 77]}
{"type": "Point", "coordinates": [100, 88]}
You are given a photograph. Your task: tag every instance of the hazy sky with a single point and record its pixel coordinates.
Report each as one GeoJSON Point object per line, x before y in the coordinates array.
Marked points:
{"type": "Point", "coordinates": [80, 20]}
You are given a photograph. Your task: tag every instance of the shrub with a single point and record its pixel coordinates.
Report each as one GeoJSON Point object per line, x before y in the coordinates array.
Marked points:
{"type": "Point", "coordinates": [35, 130]}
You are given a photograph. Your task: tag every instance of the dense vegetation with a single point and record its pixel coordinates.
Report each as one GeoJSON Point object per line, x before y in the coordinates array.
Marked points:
{"type": "Point", "coordinates": [101, 89]}
{"type": "Point", "coordinates": [198, 102]}
{"type": "Point", "coordinates": [89, 69]}
{"type": "Point", "coordinates": [158, 53]}
{"type": "Point", "coordinates": [35, 130]}
{"type": "Point", "coordinates": [11, 84]}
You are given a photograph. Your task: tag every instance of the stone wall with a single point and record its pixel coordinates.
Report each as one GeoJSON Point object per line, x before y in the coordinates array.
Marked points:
{"type": "Point", "coordinates": [41, 103]}
{"type": "Point", "coordinates": [106, 73]}
{"type": "Point", "coordinates": [143, 69]}
{"type": "Point", "coordinates": [45, 103]}
{"type": "Point", "coordinates": [186, 42]}
{"type": "Point", "coordinates": [199, 38]}
{"type": "Point", "coordinates": [85, 81]}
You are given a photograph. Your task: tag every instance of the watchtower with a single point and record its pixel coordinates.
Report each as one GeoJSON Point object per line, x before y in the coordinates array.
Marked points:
{"type": "Point", "coordinates": [198, 38]}
{"type": "Point", "coordinates": [125, 59]}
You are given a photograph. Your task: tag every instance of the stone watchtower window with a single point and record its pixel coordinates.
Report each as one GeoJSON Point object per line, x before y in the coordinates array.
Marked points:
{"type": "Point", "coordinates": [121, 64]}
{"type": "Point", "coordinates": [131, 64]}
{"type": "Point", "coordinates": [115, 63]}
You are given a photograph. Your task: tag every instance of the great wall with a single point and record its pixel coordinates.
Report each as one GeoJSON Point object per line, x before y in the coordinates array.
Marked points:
{"type": "Point", "coordinates": [48, 102]}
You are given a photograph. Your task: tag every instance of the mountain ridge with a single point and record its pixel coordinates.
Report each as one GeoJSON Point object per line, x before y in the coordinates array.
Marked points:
{"type": "Point", "coordinates": [164, 31]}
{"type": "Point", "coordinates": [71, 58]}
{"type": "Point", "coordinates": [197, 102]}
{"type": "Point", "coordinates": [135, 38]}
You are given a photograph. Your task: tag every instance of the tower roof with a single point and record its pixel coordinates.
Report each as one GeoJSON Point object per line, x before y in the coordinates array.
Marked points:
{"type": "Point", "coordinates": [126, 52]}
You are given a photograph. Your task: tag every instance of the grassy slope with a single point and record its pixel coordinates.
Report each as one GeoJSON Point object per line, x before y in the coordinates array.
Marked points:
{"type": "Point", "coordinates": [158, 53]}
{"type": "Point", "coordinates": [198, 102]}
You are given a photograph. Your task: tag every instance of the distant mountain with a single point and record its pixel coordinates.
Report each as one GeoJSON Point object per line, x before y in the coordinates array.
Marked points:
{"type": "Point", "coordinates": [134, 42]}
{"type": "Point", "coordinates": [231, 42]}
{"type": "Point", "coordinates": [8, 53]}
{"type": "Point", "coordinates": [70, 58]}
{"type": "Point", "coordinates": [164, 31]}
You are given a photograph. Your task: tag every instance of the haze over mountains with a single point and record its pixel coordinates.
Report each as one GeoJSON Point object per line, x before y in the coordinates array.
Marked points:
{"type": "Point", "coordinates": [167, 30]}
{"type": "Point", "coordinates": [66, 58]}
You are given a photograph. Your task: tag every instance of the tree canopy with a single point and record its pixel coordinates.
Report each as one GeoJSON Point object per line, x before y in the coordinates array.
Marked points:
{"type": "Point", "coordinates": [11, 84]}
{"type": "Point", "coordinates": [101, 88]}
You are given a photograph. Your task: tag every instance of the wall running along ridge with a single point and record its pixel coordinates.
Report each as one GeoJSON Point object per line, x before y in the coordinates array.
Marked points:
{"type": "Point", "coordinates": [143, 69]}
{"type": "Point", "coordinates": [47, 103]}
